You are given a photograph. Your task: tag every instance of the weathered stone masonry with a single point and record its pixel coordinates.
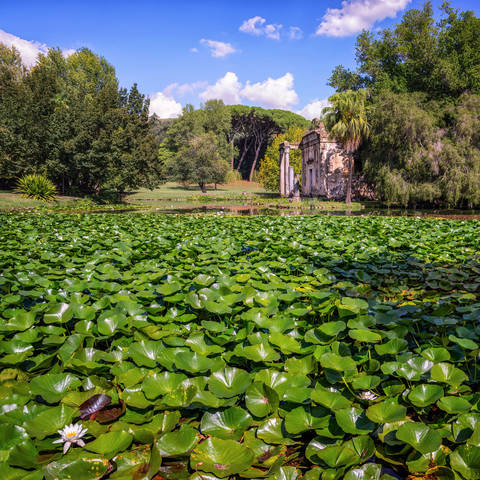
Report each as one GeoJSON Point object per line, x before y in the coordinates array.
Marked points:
{"type": "Point", "coordinates": [324, 167]}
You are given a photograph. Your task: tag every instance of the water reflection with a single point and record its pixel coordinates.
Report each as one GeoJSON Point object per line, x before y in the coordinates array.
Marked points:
{"type": "Point", "coordinates": [243, 210]}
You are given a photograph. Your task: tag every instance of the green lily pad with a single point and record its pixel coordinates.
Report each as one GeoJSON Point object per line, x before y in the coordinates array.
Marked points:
{"type": "Point", "coordinates": [261, 400]}
{"type": "Point", "coordinates": [454, 405]}
{"type": "Point", "coordinates": [229, 382]}
{"type": "Point", "coordinates": [53, 386]}
{"type": "Point", "coordinates": [161, 383]}
{"type": "Point", "coordinates": [228, 424]}
{"type": "Point", "coordinates": [302, 419]}
{"type": "Point", "coordinates": [354, 420]}
{"type": "Point", "coordinates": [111, 443]}
{"type": "Point", "coordinates": [386, 412]}
{"type": "Point", "coordinates": [78, 465]}
{"type": "Point", "coordinates": [447, 373]}
{"type": "Point", "coordinates": [419, 436]}
{"type": "Point", "coordinates": [177, 443]}
{"type": "Point", "coordinates": [49, 421]}
{"type": "Point", "coordinates": [223, 458]}
{"type": "Point", "coordinates": [424, 394]}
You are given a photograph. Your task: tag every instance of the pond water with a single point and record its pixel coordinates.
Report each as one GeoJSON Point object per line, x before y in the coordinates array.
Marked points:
{"type": "Point", "coordinates": [255, 210]}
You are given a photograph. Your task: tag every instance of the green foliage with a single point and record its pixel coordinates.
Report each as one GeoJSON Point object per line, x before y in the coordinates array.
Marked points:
{"type": "Point", "coordinates": [37, 187]}
{"type": "Point", "coordinates": [346, 119]}
{"type": "Point", "coordinates": [413, 161]}
{"type": "Point", "coordinates": [228, 344]}
{"type": "Point", "coordinates": [68, 118]}
{"type": "Point", "coordinates": [423, 80]}
{"type": "Point", "coordinates": [269, 172]}
{"type": "Point", "coordinates": [199, 162]}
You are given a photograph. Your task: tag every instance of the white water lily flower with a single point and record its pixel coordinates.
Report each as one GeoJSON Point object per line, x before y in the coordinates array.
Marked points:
{"type": "Point", "coordinates": [71, 434]}
{"type": "Point", "coordinates": [368, 396]}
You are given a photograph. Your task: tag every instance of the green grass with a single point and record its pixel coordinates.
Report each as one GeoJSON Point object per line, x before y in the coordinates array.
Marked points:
{"type": "Point", "coordinates": [178, 197]}
{"type": "Point", "coordinates": [13, 201]}
{"type": "Point", "coordinates": [176, 192]}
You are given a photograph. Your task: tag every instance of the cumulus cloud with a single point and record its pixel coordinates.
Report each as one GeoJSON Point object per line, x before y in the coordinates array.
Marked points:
{"type": "Point", "coordinates": [314, 109]}
{"type": "Point", "coordinates": [257, 26]}
{"type": "Point", "coordinates": [218, 49]}
{"type": "Point", "coordinates": [194, 50]}
{"type": "Point", "coordinates": [29, 50]}
{"type": "Point", "coordinates": [295, 33]}
{"type": "Point", "coordinates": [226, 88]}
{"type": "Point", "coordinates": [356, 15]}
{"type": "Point", "coordinates": [164, 106]}
{"type": "Point", "coordinates": [183, 89]}
{"type": "Point", "coordinates": [273, 92]}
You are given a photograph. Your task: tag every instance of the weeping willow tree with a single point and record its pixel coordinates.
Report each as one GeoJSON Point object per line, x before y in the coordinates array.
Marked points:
{"type": "Point", "coordinates": [346, 119]}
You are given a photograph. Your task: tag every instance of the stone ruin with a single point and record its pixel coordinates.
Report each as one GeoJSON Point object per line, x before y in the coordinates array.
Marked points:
{"type": "Point", "coordinates": [324, 167]}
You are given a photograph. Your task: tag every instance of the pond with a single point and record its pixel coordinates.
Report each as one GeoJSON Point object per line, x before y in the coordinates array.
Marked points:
{"type": "Point", "coordinates": [244, 210]}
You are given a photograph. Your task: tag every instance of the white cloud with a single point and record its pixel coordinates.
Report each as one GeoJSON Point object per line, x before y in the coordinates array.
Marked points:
{"type": "Point", "coordinates": [314, 109]}
{"type": "Point", "coordinates": [68, 52]}
{"type": "Point", "coordinates": [29, 50]}
{"type": "Point", "coordinates": [257, 26]}
{"type": "Point", "coordinates": [183, 89]}
{"type": "Point", "coordinates": [164, 106]}
{"type": "Point", "coordinates": [295, 33]}
{"type": "Point", "coordinates": [356, 15]}
{"type": "Point", "coordinates": [194, 50]}
{"type": "Point", "coordinates": [273, 93]}
{"type": "Point", "coordinates": [218, 49]}
{"type": "Point", "coordinates": [250, 26]}
{"type": "Point", "coordinates": [226, 88]}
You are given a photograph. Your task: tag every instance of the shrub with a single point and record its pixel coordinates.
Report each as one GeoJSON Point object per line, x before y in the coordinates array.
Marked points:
{"type": "Point", "coordinates": [233, 176]}
{"type": "Point", "coordinates": [37, 187]}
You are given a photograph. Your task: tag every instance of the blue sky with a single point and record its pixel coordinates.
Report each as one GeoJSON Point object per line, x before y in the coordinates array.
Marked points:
{"type": "Point", "coordinates": [275, 54]}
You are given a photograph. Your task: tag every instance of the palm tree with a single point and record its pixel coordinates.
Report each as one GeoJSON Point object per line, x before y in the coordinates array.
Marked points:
{"type": "Point", "coordinates": [346, 119]}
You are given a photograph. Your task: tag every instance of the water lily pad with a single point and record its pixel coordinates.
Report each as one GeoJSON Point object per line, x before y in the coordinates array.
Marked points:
{"type": "Point", "coordinates": [419, 436]}
{"type": "Point", "coordinates": [354, 420]}
{"type": "Point", "coordinates": [386, 412]}
{"type": "Point", "coordinates": [302, 419]}
{"type": "Point", "coordinates": [53, 386]}
{"type": "Point", "coordinates": [424, 394]}
{"type": "Point", "coordinates": [223, 458]}
{"type": "Point", "coordinates": [228, 424]}
{"type": "Point", "coordinates": [229, 382]}
{"type": "Point", "coordinates": [111, 443]}
{"type": "Point", "coordinates": [177, 443]}
{"type": "Point", "coordinates": [261, 400]}
{"type": "Point", "coordinates": [161, 383]}
{"type": "Point", "coordinates": [447, 373]}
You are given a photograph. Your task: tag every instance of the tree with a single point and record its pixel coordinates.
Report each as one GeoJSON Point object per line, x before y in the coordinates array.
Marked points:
{"type": "Point", "coordinates": [66, 118]}
{"type": "Point", "coordinates": [269, 172]}
{"type": "Point", "coordinates": [346, 119]}
{"type": "Point", "coordinates": [14, 148]}
{"type": "Point", "coordinates": [198, 161]}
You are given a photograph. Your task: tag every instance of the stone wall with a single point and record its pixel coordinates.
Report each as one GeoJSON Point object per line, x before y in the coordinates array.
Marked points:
{"type": "Point", "coordinates": [324, 166]}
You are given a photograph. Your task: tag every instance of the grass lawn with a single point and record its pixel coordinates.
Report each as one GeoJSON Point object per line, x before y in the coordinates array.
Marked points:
{"type": "Point", "coordinates": [13, 201]}
{"type": "Point", "coordinates": [177, 192]}
{"type": "Point", "coordinates": [176, 196]}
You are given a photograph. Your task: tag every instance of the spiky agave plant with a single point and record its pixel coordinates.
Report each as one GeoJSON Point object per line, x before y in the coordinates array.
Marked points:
{"type": "Point", "coordinates": [37, 187]}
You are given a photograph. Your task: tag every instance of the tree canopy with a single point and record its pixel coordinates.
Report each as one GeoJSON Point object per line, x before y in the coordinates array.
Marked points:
{"type": "Point", "coordinates": [423, 89]}
{"type": "Point", "coordinates": [68, 119]}
{"type": "Point", "coordinates": [346, 120]}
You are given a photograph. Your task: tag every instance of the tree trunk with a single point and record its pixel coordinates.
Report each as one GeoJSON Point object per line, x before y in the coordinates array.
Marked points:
{"type": "Point", "coordinates": [348, 198]}
{"type": "Point", "coordinates": [254, 164]}
{"type": "Point", "coordinates": [233, 156]}
{"type": "Point", "coordinates": [202, 187]}
{"type": "Point", "coordinates": [246, 148]}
